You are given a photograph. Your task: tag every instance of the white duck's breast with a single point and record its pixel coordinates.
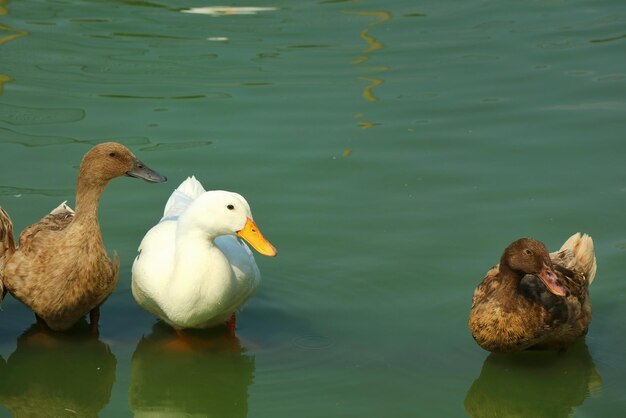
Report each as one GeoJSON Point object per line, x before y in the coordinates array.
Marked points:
{"type": "Point", "coordinates": [210, 290]}
{"type": "Point", "coordinates": [153, 266]}
{"type": "Point", "coordinates": [198, 288]}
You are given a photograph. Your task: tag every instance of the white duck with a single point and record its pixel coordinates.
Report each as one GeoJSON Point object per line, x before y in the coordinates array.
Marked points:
{"type": "Point", "coordinates": [191, 270]}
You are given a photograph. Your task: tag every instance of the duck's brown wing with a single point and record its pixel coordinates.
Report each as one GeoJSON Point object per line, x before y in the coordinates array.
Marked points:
{"type": "Point", "coordinates": [7, 242]}
{"type": "Point", "coordinates": [486, 288]}
{"type": "Point", "coordinates": [568, 317]}
{"type": "Point", "coordinates": [57, 220]}
{"type": "Point", "coordinates": [574, 281]}
{"type": "Point", "coordinates": [570, 272]}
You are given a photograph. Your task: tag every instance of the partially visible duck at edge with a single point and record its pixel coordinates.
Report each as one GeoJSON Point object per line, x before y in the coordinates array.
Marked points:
{"type": "Point", "coordinates": [61, 269]}
{"type": "Point", "coordinates": [534, 299]}
{"type": "Point", "coordinates": [192, 271]}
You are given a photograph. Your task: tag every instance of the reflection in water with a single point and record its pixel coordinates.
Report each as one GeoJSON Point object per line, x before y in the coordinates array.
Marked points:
{"type": "Point", "coordinates": [368, 93]}
{"type": "Point", "coordinates": [204, 374]}
{"type": "Point", "coordinates": [533, 384]}
{"type": "Point", "coordinates": [3, 80]}
{"type": "Point", "coordinates": [7, 34]}
{"type": "Point", "coordinates": [227, 10]}
{"type": "Point", "coordinates": [372, 45]}
{"type": "Point", "coordinates": [57, 374]}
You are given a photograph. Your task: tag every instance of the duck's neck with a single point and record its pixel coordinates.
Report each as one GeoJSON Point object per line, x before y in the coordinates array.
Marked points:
{"type": "Point", "coordinates": [194, 247]}
{"type": "Point", "coordinates": [88, 193]}
{"type": "Point", "coordinates": [510, 279]}
{"type": "Point", "coordinates": [192, 242]}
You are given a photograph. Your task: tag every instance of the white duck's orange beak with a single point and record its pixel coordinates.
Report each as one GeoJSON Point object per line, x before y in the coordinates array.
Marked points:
{"type": "Point", "coordinates": [253, 236]}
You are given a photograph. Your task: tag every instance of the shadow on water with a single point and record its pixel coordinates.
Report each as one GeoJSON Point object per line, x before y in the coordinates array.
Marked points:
{"type": "Point", "coordinates": [57, 374]}
{"type": "Point", "coordinates": [533, 384]}
{"type": "Point", "coordinates": [207, 373]}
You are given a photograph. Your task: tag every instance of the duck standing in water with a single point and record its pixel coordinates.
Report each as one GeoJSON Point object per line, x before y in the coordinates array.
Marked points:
{"type": "Point", "coordinates": [192, 271]}
{"type": "Point", "coordinates": [534, 299]}
{"type": "Point", "coordinates": [61, 269]}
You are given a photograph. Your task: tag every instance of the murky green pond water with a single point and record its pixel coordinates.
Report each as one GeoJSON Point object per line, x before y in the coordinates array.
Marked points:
{"type": "Point", "coordinates": [389, 150]}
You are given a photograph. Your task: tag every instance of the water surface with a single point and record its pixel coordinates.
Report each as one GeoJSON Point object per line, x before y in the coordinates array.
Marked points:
{"type": "Point", "coordinates": [389, 150]}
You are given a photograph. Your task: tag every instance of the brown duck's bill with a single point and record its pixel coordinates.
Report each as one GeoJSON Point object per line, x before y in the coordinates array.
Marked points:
{"type": "Point", "coordinates": [142, 171]}
{"type": "Point", "coordinates": [549, 278]}
{"type": "Point", "coordinates": [253, 236]}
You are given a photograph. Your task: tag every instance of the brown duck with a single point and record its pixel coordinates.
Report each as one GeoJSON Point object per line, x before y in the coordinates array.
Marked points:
{"type": "Point", "coordinates": [534, 299]}
{"type": "Point", "coordinates": [61, 269]}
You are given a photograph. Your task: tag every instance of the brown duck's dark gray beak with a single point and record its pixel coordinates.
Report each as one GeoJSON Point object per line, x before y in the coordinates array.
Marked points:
{"type": "Point", "coordinates": [142, 171]}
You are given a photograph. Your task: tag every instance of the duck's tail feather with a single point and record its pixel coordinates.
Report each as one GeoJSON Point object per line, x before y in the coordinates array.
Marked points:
{"type": "Point", "coordinates": [7, 245]}
{"type": "Point", "coordinates": [581, 246]}
{"type": "Point", "coordinates": [188, 191]}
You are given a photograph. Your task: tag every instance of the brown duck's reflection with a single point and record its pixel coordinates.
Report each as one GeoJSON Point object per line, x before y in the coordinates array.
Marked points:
{"type": "Point", "coordinates": [205, 373]}
{"type": "Point", "coordinates": [533, 384]}
{"type": "Point", "coordinates": [57, 374]}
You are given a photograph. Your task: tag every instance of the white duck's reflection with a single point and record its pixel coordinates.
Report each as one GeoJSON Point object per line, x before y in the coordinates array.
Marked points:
{"type": "Point", "coordinates": [196, 373]}
{"type": "Point", "coordinates": [533, 384]}
{"type": "Point", "coordinates": [57, 374]}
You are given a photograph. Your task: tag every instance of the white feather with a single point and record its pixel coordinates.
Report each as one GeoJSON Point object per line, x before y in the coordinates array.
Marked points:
{"type": "Point", "coordinates": [184, 195]}
{"type": "Point", "coordinates": [191, 271]}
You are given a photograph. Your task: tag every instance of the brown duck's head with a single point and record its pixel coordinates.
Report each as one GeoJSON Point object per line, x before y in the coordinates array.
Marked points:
{"type": "Point", "coordinates": [529, 256]}
{"type": "Point", "coordinates": [109, 160]}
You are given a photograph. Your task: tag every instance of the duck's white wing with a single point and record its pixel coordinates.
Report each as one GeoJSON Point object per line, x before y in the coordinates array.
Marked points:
{"type": "Point", "coordinates": [239, 255]}
{"type": "Point", "coordinates": [242, 262]}
{"type": "Point", "coordinates": [184, 195]}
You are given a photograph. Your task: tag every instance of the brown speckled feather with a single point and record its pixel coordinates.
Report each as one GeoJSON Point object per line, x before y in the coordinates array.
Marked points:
{"type": "Point", "coordinates": [509, 316]}
{"type": "Point", "coordinates": [45, 275]}
{"type": "Point", "coordinates": [61, 269]}
{"type": "Point", "coordinates": [7, 245]}
{"type": "Point", "coordinates": [57, 220]}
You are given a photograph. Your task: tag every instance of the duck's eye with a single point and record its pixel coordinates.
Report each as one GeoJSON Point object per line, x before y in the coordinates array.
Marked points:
{"type": "Point", "coordinates": [230, 207]}
{"type": "Point", "coordinates": [112, 154]}
{"type": "Point", "coordinates": [528, 252]}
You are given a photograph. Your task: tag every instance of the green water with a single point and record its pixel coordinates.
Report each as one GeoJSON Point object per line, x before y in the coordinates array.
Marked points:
{"type": "Point", "coordinates": [389, 150]}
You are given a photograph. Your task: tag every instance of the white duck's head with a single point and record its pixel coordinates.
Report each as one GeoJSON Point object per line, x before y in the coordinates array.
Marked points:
{"type": "Point", "coordinates": [219, 212]}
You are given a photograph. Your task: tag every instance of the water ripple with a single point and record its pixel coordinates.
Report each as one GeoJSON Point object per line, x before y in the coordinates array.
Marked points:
{"type": "Point", "coordinates": [147, 35]}
{"type": "Point", "coordinates": [19, 191]}
{"type": "Point", "coordinates": [312, 342]}
{"type": "Point", "coordinates": [611, 39]}
{"type": "Point", "coordinates": [31, 140]}
{"type": "Point", "coordinates": [176, 146]}
{"type": "Point", "coordinates": [130, 96]}
{"type": "Point", "coordinates": [18, 115]}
